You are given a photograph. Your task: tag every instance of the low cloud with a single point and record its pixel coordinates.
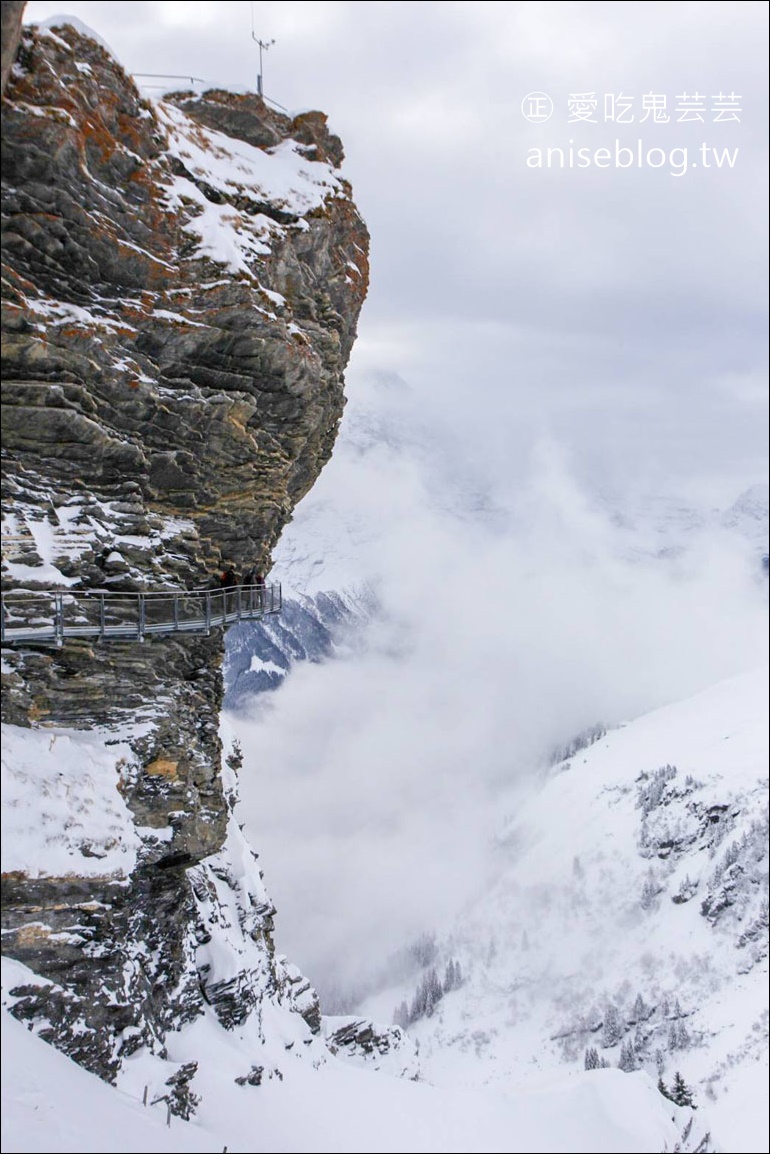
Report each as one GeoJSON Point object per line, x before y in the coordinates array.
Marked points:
{"type": "Point", "coordinates": [373, 783]}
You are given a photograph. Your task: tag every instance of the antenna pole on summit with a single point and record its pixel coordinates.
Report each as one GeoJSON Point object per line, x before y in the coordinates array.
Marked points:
{"type": "Point", "coordinates": [263, 47]}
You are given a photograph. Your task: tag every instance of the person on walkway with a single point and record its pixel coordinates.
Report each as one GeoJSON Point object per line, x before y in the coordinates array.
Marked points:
{"type": "Point", "coordinates": [228, 580]}
{"type": "Point", "coordinates": [255, 583]}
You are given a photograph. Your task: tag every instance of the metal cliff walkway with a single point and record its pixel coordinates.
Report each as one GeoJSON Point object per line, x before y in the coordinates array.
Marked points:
{"type": "Point", "coordinates": [53, 616]}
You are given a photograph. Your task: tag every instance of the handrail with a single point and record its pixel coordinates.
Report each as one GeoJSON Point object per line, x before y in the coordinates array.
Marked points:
{"type": "Point", "coordinates": [51, 616]}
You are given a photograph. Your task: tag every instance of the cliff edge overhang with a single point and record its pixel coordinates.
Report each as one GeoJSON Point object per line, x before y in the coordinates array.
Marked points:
{"type": "Point", "coordinates": [182, 281]}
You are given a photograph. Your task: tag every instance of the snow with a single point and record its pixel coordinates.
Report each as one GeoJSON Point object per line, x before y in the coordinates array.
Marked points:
{"type": "Point", "coordinates": [495, 1074]}
{"type": "Point", "coordinates": [52, 111]}
{"type": "Point", "coordinates": [50, 35]}
{"type": "Point", "coordinates": [51, 1104]}
{"type": "Point", "coordinates": [559, 932]}
{"type": "Point", "coordinates": [62, 810]}
{"type": "Point", "coordinates": [542, 948]}
{"type": "Point", "coordinates": [64, 312]}
{"type": "Point", "coordinates": [138, 248]}
{"type": "Point", "coordinates": [51, 542]}
{"type": "Point", "coordinates": [48, 542]}
{"type": "Point", "coordinates": [276, 297]}
{"type": "Point", "coordinates": [282, 175]}
{"type": "Point", "coordinates": [61, 21]}
{"type": "Point", "coordinates": [491, 1078]}
{"type": "Point", "coordinates": [84, 525]}
{"type": "Point", "coordinates": [556, 932]}
{"type": "Point", "coordinates": [742, 1111]}
{"type": "Point", "coordinates": [258, 666]}
{"type": "Point", "coordinates": [222, 231]}
{"type": "Point", "coordinates": [49, 575]}
{"type": "Point", "coordinates": [177, 318]}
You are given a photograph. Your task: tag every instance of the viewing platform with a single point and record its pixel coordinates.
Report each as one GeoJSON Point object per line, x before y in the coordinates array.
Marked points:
{"type": "Point", "coordinates": [50, 617]}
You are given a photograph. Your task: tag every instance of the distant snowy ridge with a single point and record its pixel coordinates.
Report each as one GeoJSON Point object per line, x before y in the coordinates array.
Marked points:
{"type": "Point", "coordinates": [310, 628]}
{"type": "Point", "coordinates": [660, 525]}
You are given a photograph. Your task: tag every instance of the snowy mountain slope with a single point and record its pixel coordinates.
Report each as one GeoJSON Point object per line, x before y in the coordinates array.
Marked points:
{"type": "Point", "coordinates": [664, 526]}
{"type": "Point", "coordinates": [310, 628]}
{"type": "Point", "coordinates": [51, 1104]}
{"type": "Point", "coordinates": [748, 513]}
{"type": "Point", "coordinates": [628, 914]}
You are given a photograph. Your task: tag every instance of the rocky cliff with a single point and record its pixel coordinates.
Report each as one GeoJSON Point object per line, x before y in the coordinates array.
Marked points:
{"type": "Point", "coordinates": [11, 12]}
{"type": "Point", "coordinates": [182, 282]}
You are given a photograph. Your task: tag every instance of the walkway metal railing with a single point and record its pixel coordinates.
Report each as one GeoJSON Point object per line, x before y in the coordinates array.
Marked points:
{"type": "Point", "coordinates": [51, 616]}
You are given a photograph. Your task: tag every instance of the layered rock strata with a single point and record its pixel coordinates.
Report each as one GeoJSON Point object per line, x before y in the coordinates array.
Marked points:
{"type": "Point", "coordinates": [182, 282]}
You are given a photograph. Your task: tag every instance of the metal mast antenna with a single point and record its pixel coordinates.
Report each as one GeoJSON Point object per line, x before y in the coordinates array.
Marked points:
{"type": "Point", "coordinates": [263, 47]}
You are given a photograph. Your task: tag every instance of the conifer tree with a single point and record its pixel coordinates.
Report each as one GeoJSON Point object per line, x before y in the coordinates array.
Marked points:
{"type": "Point", "coordinates": [433, 992]}
{"type": "Point", "coordinates": [682, 1036]}
{"type": "Point", "coordinates": [680, 1091]}
{"type": "Point", "coordinates": [641, 1010]}
{"type": "Point", "coordinates": [612, 1027]}
{"type": "Point", "coordinates": [627, 1060]}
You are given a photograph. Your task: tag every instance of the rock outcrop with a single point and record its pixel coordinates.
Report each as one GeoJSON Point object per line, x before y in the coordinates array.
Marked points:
{"type": "Point", "coordinates": [364, 1043]}
{"type": "Point", "coordinates": [182, 283]}
{"type": "Point", "coordinates": [11, 12]}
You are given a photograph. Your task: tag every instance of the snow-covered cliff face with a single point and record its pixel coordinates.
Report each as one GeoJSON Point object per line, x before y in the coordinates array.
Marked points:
{"type": "Point", "coordinates": [182, 283]}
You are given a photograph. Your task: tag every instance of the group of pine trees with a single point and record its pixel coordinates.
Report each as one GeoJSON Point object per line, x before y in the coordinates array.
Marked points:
{"type": "Point", "coordinates": [580, 741]}
{"type": "Point", "coordinates": [678, 1092]}
{"type": "Point", "coordinates": [634, 1034]}
{"type": "Point", "coordinates": [652, 787]}
{"type": "Point", "coordinates": [429, 992]}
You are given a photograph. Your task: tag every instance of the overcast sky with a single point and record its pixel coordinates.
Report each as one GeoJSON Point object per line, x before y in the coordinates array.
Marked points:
{"type": "Point", "coordinates": [619, 310]}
